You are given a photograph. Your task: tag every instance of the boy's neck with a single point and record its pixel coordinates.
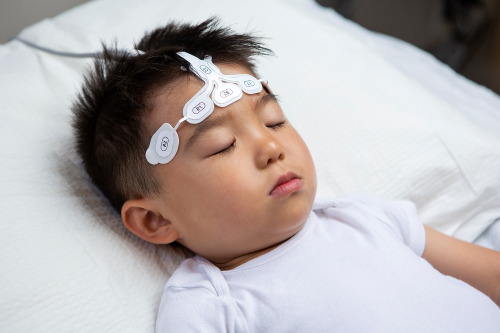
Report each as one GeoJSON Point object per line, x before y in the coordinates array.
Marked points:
{"type": "Point", "coordinates": [240, 260]}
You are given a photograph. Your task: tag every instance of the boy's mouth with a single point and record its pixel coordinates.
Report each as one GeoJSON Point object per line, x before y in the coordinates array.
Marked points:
{"type": "Point", "coordinates": [286, 184]}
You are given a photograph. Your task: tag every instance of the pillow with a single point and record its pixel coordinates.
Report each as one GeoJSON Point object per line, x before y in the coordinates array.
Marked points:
{"type": "Point", "coordinates": [70, 265]}
{"type": "Point", "coordinates": [477, 103]}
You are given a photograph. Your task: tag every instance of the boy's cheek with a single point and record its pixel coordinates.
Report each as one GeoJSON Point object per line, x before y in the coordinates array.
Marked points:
{"type": "Point", "coordinates": [304, 157]}
{"type": "Point", "coordinates": [299, 151]}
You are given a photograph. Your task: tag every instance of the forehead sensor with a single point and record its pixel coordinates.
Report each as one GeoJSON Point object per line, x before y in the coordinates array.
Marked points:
{"type": "Point", "coordinates": [219, 89]}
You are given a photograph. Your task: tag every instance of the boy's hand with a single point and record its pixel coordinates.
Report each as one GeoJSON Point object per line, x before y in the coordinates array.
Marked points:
{"type": "Point", "coordinates": [473, 264]}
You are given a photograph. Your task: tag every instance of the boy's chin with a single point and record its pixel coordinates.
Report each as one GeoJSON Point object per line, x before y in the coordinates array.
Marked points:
{"type": "Point", "coordinates": [297, 209]}
{"type": "Point", "coordinates": [301, 200]}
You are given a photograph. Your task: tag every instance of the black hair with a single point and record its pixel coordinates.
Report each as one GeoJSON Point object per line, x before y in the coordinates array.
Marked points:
{"type": "Point", "coordinates": [110, 112]}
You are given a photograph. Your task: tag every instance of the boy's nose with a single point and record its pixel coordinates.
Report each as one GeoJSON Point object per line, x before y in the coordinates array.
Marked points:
{"type": "Point", "coordinates": [268, 150]}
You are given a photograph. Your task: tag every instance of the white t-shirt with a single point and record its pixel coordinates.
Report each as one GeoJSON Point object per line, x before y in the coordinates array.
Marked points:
{"type": "Point", "coordinates": [355, 266]}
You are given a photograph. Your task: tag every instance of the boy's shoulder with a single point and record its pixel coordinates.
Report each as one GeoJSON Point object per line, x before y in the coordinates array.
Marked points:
{"type": "Point", "coordinates": [196, 273]}
{"type": "Point", "coordinates": [195, 296]}
{"type": "Point", "coordinates": [364, 202]}
{"type": "Point", "coordinates": [373, 212]}
{"type": "Point", "coordinates": [349, 197]}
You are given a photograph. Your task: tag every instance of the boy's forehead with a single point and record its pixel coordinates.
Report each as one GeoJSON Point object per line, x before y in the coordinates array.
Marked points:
{"type": "Point", "coordinates": [169, 102]}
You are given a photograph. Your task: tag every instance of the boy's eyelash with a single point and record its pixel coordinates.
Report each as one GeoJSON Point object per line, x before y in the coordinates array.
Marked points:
{"type": "Point", "coordinates": [277, 126]}
{"type": "Point", "coordinates": [227, 149]}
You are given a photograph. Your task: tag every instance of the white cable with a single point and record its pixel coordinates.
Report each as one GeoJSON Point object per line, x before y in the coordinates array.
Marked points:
{"type": "Point", "coordinates": [178, 123]}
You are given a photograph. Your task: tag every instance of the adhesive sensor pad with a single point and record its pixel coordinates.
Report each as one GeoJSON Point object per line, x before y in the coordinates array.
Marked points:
{"type": "Point", "coordinates": [219, 89]}
{"type": "Point", "coordinates": [163, 145]}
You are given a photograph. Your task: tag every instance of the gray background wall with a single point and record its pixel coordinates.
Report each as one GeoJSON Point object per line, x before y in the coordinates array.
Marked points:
{"type": "Point", "coordinates": [416, 21]}
{"type": "Point", "coordinates": [17, 14]}
{"type": "Point", "coordinates": [421, 23]}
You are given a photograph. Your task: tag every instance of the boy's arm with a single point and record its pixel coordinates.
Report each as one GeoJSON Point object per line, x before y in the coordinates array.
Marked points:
{"type": "Point", "coordinates": [473, 264]}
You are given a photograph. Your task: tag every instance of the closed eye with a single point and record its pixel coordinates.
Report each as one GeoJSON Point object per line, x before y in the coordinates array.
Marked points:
{"type": "Point", "coordinates": [227, 149]}
{"type": "Point", "coordinates": [276, 126]}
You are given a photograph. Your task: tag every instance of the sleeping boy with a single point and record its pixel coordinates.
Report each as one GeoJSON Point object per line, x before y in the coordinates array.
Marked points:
{"type": "Point", "coordinates": [192, 148]}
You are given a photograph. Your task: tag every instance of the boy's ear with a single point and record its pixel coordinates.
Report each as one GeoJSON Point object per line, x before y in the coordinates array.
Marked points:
{"type": "Point", "coordinates": [143, 220]}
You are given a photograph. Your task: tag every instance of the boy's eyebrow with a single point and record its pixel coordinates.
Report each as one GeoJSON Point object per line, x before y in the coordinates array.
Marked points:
{"type": "Point", "coordinates": [205, 126]}
{"type": "Point", "coordinates": [218, 120]}
{"type": "Point", "coordinates": [261, 102]}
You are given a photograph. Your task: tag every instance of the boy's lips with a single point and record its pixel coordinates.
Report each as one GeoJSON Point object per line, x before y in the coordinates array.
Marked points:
{"type": "Point", "coordinates": [286, 184]}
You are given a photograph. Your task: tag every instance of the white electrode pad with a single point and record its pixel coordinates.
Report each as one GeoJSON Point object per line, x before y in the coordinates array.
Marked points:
{"type": "Point", "coordinates": [224, 90]}
{"type": "Point", "coordinates": [163, 145]}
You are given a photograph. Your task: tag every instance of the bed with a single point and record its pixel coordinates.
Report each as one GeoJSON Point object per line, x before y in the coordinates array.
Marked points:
{"type": "Point", "coordinates": [379, 116]}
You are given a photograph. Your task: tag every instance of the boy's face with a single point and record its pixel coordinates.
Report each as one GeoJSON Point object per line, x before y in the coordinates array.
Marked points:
{"type": "Point", "coordinates": [218, 190]}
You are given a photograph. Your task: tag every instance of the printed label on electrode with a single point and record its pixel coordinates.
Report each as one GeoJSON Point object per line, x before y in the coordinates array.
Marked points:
{"type": "Point", "coordinates": [226, 92]}
{"type": "Point", "coordinates": [199, 107]}
{"type": "Point", "coordinates": [205, 69]}
{"type": "Point", "coordinates": [249, 83]}
{"type": "Point", "coordinates": [164, 143]}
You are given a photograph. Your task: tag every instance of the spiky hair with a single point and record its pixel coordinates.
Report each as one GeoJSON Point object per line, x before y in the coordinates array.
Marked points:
{"type": "Point", "coordinates": [111, 109]}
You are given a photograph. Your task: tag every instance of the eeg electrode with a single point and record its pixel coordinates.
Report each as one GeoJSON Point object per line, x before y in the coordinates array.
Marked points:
{"type": "Point", "coordinates": [225, 90]}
